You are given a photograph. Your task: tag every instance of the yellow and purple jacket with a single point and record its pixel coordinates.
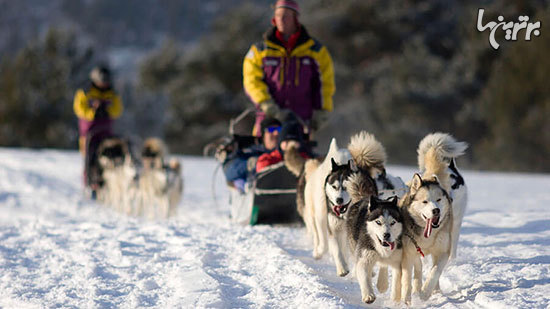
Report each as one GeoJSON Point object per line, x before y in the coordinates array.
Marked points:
{"type": "Point", "coordinates": [90, 118]}
{"type": "Point", "coordinates": [301, 80]}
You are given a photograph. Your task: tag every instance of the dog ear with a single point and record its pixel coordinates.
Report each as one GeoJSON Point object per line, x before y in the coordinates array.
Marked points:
{"type": "Point", "coordinates": [393, 199]}
{"type": "Point", "coordinates": [334, 165]}
{"type": "Point", "coordinates": [416, 182]}
{"type": "Point", "coordinates": [373, 203]}
{"type": "Point", "coordinates": [333, 148]}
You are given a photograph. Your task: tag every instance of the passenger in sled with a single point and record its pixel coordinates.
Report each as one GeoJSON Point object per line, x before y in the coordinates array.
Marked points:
{"type": "Point", "coordinates": [291, 136]}
{"type": "Point", "coordinates": [269, 193]}
{"type": "Point", "coordinates": [241, 164]}
{"type": "Point", "coordinates": [96, 106]}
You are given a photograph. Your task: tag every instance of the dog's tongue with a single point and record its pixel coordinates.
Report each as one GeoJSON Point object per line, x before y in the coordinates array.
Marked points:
{"type": "Point", "coordinates": [392, 245]}
{"type": "Point", "coordinates": [428, 228]}
{"type": "Point", "coordinates": [337, 210]}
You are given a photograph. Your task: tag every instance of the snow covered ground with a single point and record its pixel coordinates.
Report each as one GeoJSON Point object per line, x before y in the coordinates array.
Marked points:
{"type": "Point", "coordinates": [59, 250]}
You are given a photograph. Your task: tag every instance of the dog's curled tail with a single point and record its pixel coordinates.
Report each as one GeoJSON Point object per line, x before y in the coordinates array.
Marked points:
{"type": "Point", "coordinates": [367, 152]}
{"type": "Point", "coordinates": [294, 162]}
{"type": "Point", "coordinates": [361, 187]}
{"type": "Point", "coordinates": [445, 148]}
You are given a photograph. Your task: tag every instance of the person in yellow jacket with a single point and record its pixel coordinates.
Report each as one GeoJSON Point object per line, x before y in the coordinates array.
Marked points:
{"type": "Point", "coordinates": [289, 69]}
{"type": "Point", "coordinates": [96, 107]}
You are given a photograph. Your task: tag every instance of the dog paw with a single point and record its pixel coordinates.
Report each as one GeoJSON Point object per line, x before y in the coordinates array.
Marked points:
{"type": "Point", "coordinates": [369, 299]}
{"type": "Point", "coordinates": [317, 255]}
{"type": "Point", "coordinates": [342, 272]}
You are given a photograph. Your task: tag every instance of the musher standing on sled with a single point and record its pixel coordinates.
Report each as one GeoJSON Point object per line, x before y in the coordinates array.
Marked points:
{"type": "Point", "coordinates": [96, 107]}
{"type": "Point", "coordinates": [288, 69]}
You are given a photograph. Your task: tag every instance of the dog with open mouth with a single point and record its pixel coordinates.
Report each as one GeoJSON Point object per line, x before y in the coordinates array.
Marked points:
{"type": "Point", "coordinates": [375, 232]}
{"type": "Point", "coordinates": [322, 210]}
{"type": "Point", "coordinates": [338, 201]}
{"type": "Point", "coordinates": [429, 213]}
{"type": "Point", "coordinates": [428, 217]}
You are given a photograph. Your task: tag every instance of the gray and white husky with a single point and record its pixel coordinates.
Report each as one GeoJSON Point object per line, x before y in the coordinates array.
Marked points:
{"type": "Point", "coordinates": [338, 201]}
{"type": "Point", "coordinates": [430, 213]}
{"type": "Point", "coordinates": [319, 204]}
{"type": "Point", "coordinates": [447, 149]}
{"type": "Point", "coordinates": [375, 235]}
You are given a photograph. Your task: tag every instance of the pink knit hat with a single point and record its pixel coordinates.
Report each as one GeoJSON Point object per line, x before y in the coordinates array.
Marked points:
{"type": "Point", "coordinates": [289, 4]}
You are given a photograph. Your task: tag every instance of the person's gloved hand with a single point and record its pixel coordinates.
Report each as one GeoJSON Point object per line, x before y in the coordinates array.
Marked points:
{"type": "Point", "coordinates": [270, 108]}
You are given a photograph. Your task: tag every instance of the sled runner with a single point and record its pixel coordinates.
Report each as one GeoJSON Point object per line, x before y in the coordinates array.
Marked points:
{"type": "Point", "coordinates": [270, 198]}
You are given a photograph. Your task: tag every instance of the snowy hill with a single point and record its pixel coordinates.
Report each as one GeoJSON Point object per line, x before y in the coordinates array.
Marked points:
{"type": "Point", "coordinates": [59, 250]}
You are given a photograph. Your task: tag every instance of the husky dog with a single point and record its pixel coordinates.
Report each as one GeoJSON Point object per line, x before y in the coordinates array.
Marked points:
{"type": "Point", "coordinates": [447, 150]}
{"type": "Point", "coordinates": [338, 201]}
{"type": "Point", "coordinates": [375, 229]}
{"type": "Point", "coordinates": [118, 172]}
{"type": "Point", "coordinates": [315, 210]}
{"type": "Point", "coordinates": [160, 182]}
{"type": "Point", "coordinates": [429, 213]}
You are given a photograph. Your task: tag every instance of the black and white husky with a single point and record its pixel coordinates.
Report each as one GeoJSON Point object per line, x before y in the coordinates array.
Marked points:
{"type": "Point", "coordinates": [375, 235]}
{"type": "Point", "coordinates": [432, 218]}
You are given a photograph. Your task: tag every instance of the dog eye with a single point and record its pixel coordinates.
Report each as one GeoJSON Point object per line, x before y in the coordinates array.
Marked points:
{"type": "Point", "coordinates": [439, 200]}
{"type": "Point", "coordinates": [425, 202]}
{"type": "Point", "coordinates": [378, 222]}
{"type": "Point", "coordinates": [392, 223]}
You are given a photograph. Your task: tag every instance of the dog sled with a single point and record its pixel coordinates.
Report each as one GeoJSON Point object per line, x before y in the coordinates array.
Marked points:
{"type": "Point", "coordinates": [270, 195]}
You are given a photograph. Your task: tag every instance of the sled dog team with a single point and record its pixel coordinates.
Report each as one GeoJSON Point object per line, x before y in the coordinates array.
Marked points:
{"type": "Point", "coordinates": [153, 189]}
{"type": "Point", "coordinates": [352, 206]}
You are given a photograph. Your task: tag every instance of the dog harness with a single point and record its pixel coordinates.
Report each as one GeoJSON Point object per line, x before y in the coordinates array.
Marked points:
{"type": "Point", "coordinates": [418, 249]}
